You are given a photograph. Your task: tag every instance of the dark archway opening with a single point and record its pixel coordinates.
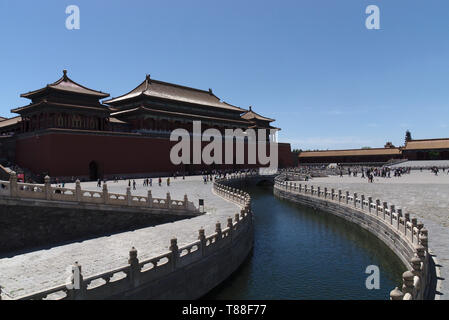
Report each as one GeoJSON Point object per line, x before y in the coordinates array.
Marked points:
{"type": "Point", "coordinates": [93, 171]}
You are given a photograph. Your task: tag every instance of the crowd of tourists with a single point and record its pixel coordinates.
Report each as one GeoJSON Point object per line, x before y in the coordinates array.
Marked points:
{"type": "Point", "coordinates": [365, 172]}
{"type": "Point", "coordinates": [207, 176]}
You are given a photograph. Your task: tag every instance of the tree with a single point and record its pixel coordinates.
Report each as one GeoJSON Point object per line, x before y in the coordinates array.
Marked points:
{"type": "Point", "coordinates": [408, 136]}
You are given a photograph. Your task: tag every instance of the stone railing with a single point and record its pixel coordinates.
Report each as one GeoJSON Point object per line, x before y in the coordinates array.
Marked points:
{"type": "Point", "coordinates": [234, 195]}
{"type": "Point", "coordinates": [15, 189]}
{"type": "Point", "coordinates": [176, 263]}
{"type": "Point", "coordinates": [404, 235]}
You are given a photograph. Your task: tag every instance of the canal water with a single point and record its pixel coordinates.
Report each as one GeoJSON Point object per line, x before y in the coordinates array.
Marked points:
{"type": "Point", "coordinates": [300, 253]}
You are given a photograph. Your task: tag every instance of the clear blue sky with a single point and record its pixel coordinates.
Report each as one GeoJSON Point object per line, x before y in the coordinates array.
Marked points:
{"type": "Point", "coordinates": [312, 65]}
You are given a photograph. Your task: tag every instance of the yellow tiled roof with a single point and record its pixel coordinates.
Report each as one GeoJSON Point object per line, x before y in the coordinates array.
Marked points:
{"type": "Point", "coordinates": [427, 144]}
{"type": "Point", "coordinates": [350, 152]}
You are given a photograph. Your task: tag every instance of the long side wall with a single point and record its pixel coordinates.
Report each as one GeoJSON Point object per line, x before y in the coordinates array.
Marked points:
{"type": "Point", "coordinates": [408, 239]}
{"type": "Point", "coordinates": [188, 272]}
{"type": "Point", "coordinates": [60, 153]}
{"type": "Point", "coordinates": [29, 224]}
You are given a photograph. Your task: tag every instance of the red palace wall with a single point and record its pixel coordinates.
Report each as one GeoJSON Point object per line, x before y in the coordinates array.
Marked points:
{"type": "Point", "coordinates": [69, 154]}
{"type": "Point", "coordinates": [285, 156]}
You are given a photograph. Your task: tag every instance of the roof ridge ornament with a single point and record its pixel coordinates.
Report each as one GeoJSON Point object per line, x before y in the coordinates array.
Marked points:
{"type": "Point", "coordinates": [147, 81]}
{"type": "Point", "coordinates": [210, 91]}
{"type": "Point", "coordinates": [64, 74]}
{"type": "Point", "coordinates": [250, 108]}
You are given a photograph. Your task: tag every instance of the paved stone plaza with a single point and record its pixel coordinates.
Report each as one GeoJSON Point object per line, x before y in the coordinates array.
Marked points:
{"type": "Point", "coordinates": [43, 269]}
{"type": "Point", "coordinates": [422, 194]}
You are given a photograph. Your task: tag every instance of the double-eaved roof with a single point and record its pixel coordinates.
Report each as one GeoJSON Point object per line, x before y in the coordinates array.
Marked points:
{"type": "Point", "coordinates": [251, 115]}
{"type": "Point", "coordinates": [66, 84]}
{"type": "Point", "coordinates": [169, 91]}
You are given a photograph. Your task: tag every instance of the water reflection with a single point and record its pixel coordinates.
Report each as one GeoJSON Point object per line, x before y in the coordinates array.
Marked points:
{"type": "Point", "coordinates": [300, 253]}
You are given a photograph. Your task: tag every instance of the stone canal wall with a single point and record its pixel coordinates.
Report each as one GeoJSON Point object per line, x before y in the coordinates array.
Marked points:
{"type": "Point", "coordinates": [33, 215]}
{"type": "Point", "coordinates": [404, 236]}
{"type": "Point", "coordinates": [186, 272]}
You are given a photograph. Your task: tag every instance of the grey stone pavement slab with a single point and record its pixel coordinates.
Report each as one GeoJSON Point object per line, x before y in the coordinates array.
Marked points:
{"type": "Point", "coordinates": [43, 269]}
{"type": "Point", "coordinates": [422, 194]}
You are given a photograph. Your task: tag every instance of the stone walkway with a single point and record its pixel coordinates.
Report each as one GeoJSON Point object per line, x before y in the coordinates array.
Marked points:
{"type": "Point", "coordinates": [422, 194]}
{"type": "Point", "coordinates": [31, 272]}
{"type": "Point", "coordinates": [423, 164]}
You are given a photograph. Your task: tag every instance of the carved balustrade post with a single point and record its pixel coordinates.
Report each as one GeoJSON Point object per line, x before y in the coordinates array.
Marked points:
{"type": "Point", "coordinates": [377, 207]}
{"type": "Point", "coordinates": [218, 231]}
{"type": "Point", "coordinates": [416, 266]}
{"type": "Point", "coordinates": [423, 238]}
{"type": "Point", "coordinates": [47, 187]}
{"type": "Point", "coordinates": [202, 238]}
{"type": "Point", "coordinates": [392, 210]}
{"type": "Point", "coordinates": [186, 202]}
{"type": "Point", "coordinates": [77, 287]}
{"type": "Point", "coordinates": [407, 286]}
{"type": "Point", "coordinates": [129, 198]}
{"type": "Point", "coordinates": [13, 188]}
{"type": "Point", "coordinates": [415, 225]}
{"type": "Point", "coordinates": [396, 294]}
{"type": "Point", "coordinates": [231, 227]}
{"type": "Point", "coordinates": [406, 220]}
{"type": "Point", "coordinates": [149, 199]}
{"type": "Point", "coordinates": [384, 209]}
{"type": "Point", "coordinates": [174, 252]}
{"type": "Point", "coordinates": [168, 201]}
{"type": "Point", "coordinates": [78, 191]}
{"type": "Point", "coordinates": [105, 193]}
{"type": "Point", "coordinates": [134, 268]}
{"type": "Point", "coordinates": [398, 223]}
